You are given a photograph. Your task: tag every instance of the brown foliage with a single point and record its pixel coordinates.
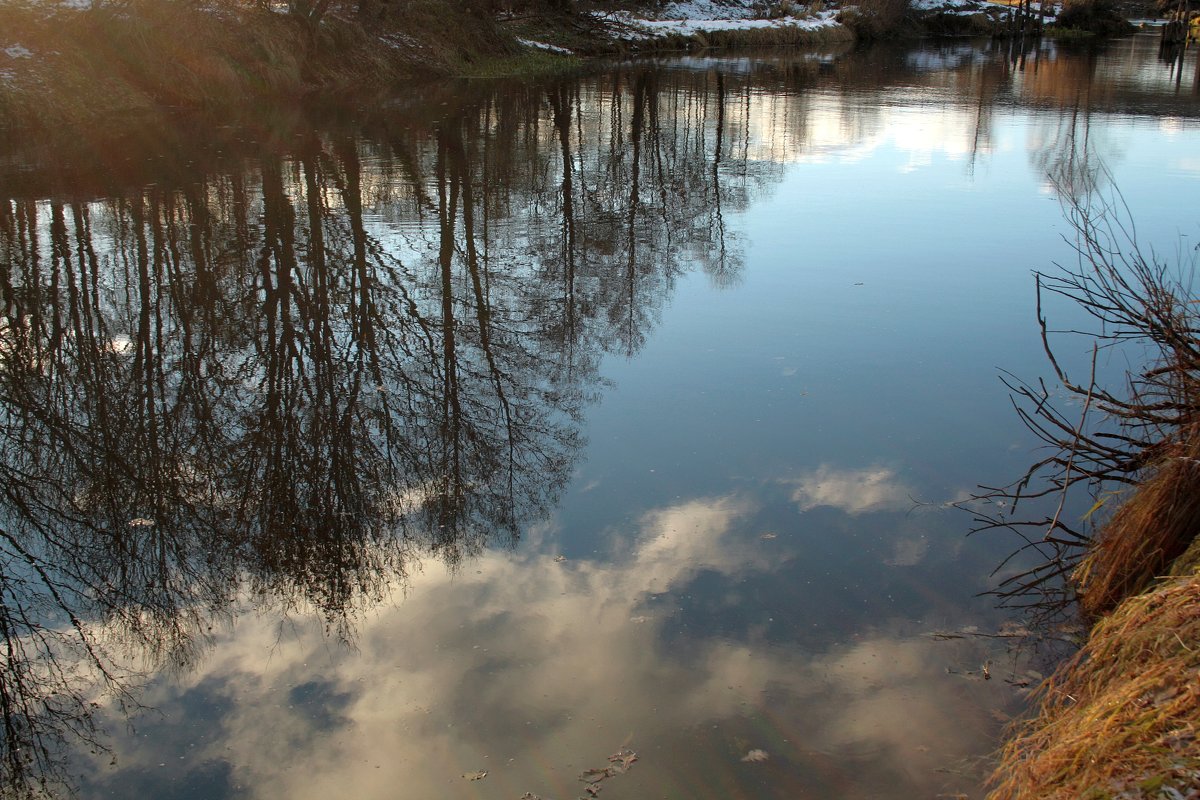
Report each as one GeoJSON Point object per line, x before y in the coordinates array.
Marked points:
{"type": "Point", "coordinates": [1146, 534]}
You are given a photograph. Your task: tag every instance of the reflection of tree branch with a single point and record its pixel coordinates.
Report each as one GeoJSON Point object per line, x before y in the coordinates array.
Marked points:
{"type": "Point", "coordinates": [1133, 298]}
{"type": "Point", "coordinates": [266, 379]}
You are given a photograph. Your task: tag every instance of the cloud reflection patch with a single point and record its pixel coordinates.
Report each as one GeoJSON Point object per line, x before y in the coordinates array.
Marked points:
{"type": "Point", "coordinates": [854, 491]}
{"type": "Point", "coordinates": [531, 670]}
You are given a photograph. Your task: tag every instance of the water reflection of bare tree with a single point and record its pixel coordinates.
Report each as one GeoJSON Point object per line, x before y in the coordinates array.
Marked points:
{"type": "Point", "coordinates": [290, 381]}
{"type": "Point", "coordinates": [1067, 153]}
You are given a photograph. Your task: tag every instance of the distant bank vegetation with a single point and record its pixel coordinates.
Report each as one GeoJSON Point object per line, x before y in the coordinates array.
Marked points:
{"type": "Point", "coordinates": [63, 65]}
{"type": "Point", "coordinates": [79, 62]}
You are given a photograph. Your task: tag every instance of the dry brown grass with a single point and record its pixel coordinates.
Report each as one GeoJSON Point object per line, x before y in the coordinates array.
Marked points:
{"type": "Point", "coordinates": [1146, 534]}
{"type": "Point", "coordinates": [1120, 719]}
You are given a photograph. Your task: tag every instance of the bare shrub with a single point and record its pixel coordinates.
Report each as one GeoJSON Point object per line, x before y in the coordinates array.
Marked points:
{"type": "Point", "coordinates": [1146, 432]}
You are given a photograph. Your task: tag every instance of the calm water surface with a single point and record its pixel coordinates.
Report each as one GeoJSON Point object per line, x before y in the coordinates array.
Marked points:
{"type": "Point", "coordinates": [498, 428]}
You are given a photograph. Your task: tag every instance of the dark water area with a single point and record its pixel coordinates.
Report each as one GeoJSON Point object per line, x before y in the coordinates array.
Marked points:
{"type": "Point", "coordinates": [500, 427]}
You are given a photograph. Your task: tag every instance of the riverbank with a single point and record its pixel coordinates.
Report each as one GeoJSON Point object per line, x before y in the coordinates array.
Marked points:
{"type": "Point", "coordinates": [80, 63]}
{"type": "Point", "coordinates": [1121, 718]}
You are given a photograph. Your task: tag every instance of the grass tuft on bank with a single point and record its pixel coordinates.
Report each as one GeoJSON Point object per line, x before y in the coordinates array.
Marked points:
{"type": "Point", "coordinates": [1119, 720]}
{"type": "Point", "coordinates": [1148, 532]}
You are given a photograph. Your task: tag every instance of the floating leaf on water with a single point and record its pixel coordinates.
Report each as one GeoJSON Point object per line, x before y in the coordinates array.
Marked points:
{"type": "Point", "coordinates": [756, 756]}
{"type": "Point", "coordinates": [622, 760]}
{"type": "Point", "coordinates": [595, 775]}
{"type": "Point", "coordinates": [475, 776]}
{"type": "Point", "coordinates": [1013, 629]}
{"type": "Point", "coordinates": [140, 522]}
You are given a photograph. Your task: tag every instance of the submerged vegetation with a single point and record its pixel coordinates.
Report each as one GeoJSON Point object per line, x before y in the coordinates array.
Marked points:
{"type": "Point", "coordinates": [1119, 719]}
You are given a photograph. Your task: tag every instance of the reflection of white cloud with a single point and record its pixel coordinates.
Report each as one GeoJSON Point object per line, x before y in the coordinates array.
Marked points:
{"type": "Point", "coordinates": [1187, 165]}
{"type": "Point", "coordinates": [908, 551]}
{"type": "Point", "coordinates": [685, 538]}
{"type": "Point", "coordinates": [120, 344]}
{"type": "Point", "coordinates": [1170, 125]}
{"type": "Point", "coordinates": [829, 128]}
{"type": "Point", "coordinates": [533, 670]}
{"type": "Point", "coordinates": [854, 491]}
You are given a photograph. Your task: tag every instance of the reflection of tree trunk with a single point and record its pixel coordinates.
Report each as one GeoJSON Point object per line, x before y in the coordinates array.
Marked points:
{"type": "Point", "coordinates": [11, 254]}
{"type": "Point", "coordinates": [561, 108]}
{"type": "Point", "coordinates": [277, 346]}
{"type": "Point", "coordinates": [1067, 159]}
{"type": "Point", "coordinates": [635, 136]}
{"type": "Point", "coordinates": [363, 311]}
{"type": "Point", "coordinates": [410, 165]}
{"type": "Point", "coordinates": [616, 128]}
{"type": "Point", "coordinates": [718, 224]}
{"type": "Point", "coordinates": [329, 396]}
{"type": "Point", "coordinates": [461, 170]}
{"type": "Point", "coordinates": [451, 479]}
{"type": "Point", "coordinates": [27, 245]}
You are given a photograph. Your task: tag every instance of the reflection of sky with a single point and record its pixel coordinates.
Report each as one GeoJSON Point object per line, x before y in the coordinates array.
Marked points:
{"type": "Point", "coordinates": [534, 670]}
{"type": "Point", "coordinates": [834, 127]}
{"type": "Point", "coordinates": [754, 540]}
{"type": "Point", "coordinates": [854, 491]}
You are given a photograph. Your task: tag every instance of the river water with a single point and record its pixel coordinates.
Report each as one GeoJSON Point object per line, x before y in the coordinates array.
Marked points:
{"type": "Point", "coordinates": [450, 445]}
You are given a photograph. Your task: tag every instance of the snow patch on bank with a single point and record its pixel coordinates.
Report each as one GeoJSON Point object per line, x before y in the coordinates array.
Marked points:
{"type": "Point", "coordinates": [704, 10]}
{"type": "Point", "coordinates": [945, 5]}
{"type": "Point", "coordinates": [688, 17]}
{"type": "Point", "coordinates": [552, 48]}
{"type": "Point", "coordinates": [637, 27]}
{"type": "Point", "coordinates": [969, 7]}
{"type": "Point", "coordinates": [73, 5]}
